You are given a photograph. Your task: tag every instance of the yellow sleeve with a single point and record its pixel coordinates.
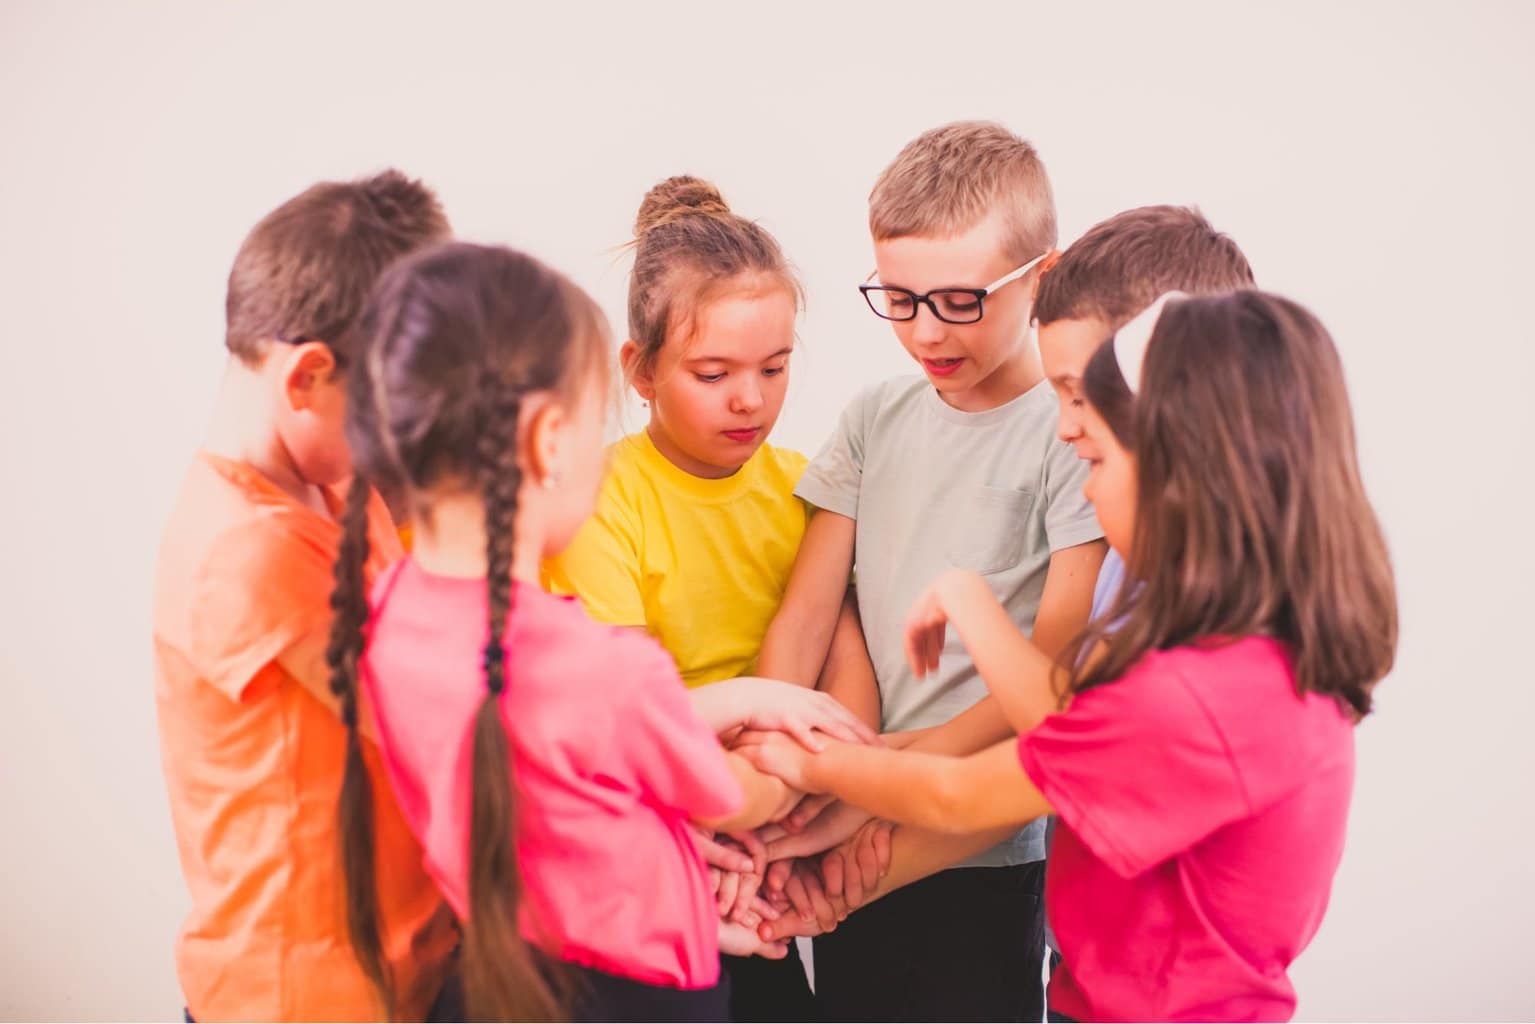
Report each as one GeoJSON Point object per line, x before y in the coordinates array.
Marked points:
{"type": "Point", "coordinates": [602, 566]}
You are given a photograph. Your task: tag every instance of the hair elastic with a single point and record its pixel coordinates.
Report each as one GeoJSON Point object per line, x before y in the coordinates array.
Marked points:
{"type": "Point", "coordinates": [1131, 340]}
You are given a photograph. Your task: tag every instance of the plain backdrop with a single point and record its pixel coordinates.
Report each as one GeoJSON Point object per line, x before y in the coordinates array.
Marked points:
{"type": "Point", "coordinates": [1373, 160]}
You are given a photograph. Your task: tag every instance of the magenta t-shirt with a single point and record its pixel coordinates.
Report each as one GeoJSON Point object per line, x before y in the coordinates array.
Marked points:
{"type": "Point", "coordinates": [611, 764]}
{"type": "Point", "coordinates": [1202, 808]}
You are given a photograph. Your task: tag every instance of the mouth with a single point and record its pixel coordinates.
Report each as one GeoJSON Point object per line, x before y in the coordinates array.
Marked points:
{"type": "Point", "coordinates": [744, 436]}
{"type": "Point", "coordinates": [941, 367]}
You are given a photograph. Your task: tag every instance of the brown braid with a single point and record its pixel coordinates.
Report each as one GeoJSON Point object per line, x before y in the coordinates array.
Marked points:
{"type": "Point", "coordinates": [453, 339]}
{"type": "Point", "coordinates": [349, 602]}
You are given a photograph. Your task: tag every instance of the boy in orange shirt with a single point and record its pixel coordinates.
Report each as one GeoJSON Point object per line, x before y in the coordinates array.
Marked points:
{"type": "Point", "coordinates": [251, 739]}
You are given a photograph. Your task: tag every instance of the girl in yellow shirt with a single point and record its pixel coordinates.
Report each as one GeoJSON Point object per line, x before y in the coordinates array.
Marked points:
{"type": "Point", "coordinates": [697, 525]}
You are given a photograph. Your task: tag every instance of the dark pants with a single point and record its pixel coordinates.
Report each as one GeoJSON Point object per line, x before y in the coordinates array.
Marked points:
{"type": "Point", "coordinates": [600, 996]}
{"type": "Point", "coordinates": [769, 990]}
{"type": "Point", "coordinates": [966, 944]}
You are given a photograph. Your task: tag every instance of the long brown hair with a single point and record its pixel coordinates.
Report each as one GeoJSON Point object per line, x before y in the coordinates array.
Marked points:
{"type": "Point", "coordinates": [453, 340]}
{"type": "Point", "coordinates": [1251, 516]}
{"type": "Point", "coordinates": [688, 249]}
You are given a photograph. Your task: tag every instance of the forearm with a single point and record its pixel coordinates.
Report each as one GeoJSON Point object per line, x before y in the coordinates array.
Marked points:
{"type": "Point", "coordinates": [901, 786]}
{"type": "Point", "coordinates": [797, 642]}
{"type": "Point", "coordinates": [1020, 677]}
{"type": "Point", "coordinates": [916, 853]}
{"type": "Point", "coordinates": [849, 674]}
{"type": "Point", "coordinates": [972, 730]}
{"type": "Point", "coordinates": [764, 796]}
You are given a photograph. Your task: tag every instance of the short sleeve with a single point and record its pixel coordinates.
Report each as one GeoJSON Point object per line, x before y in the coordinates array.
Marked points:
{"type": "Point", "coordinates": [261, 589]}
{"type": "Point", "coordinates": [602, 566]}
{"type": "Point", "coordinates": [1069, 516]}
{"type": "Point", "coordinates": [1137, 768]}
{"type": "Point", "coordinates": [834, 477]}
{"type": "Point", "coordinates": [673, 755]}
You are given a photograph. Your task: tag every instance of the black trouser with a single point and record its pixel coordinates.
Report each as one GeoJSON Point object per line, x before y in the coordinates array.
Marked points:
{"type": "Point", "coordinates": [600, 996]}
{"type": "Point", "coordinates": [965, 944]}
{"type": "Point", "coordinates": [769, 990]}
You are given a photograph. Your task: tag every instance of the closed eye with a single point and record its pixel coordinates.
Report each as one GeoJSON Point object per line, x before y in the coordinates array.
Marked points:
{"type": "Point", "coordinates": [710, 378]}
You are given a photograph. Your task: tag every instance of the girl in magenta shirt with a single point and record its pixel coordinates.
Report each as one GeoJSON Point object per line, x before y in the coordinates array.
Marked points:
{"type": "Point", "coordinates": [549, 766]}
{"type": "Point", "coordinates": [1201, 756]}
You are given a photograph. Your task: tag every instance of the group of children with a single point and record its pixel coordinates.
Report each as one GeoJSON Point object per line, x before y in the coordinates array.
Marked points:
{"type": "Point", "coordinates": [625, 722]}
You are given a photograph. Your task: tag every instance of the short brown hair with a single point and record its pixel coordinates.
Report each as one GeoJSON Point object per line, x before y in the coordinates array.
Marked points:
{"type": "Point", "coordinates": [304, 272]}
{"type": "Point", "coordinates": [948, 179]}
{"type": "Point", "coordinates": [1122, 264]}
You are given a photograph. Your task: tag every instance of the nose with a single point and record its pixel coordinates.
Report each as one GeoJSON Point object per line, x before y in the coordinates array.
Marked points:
{"type": "Point", "coordinates": [747, 396]}
{"type": "Point", "coordinates": [926, 328]}
{"type": "Point", "coordinates": [1069, 425]}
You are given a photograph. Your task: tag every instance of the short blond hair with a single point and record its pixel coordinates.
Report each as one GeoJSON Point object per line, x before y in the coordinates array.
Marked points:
{"type": "Point", "coordinates": [949, 179]}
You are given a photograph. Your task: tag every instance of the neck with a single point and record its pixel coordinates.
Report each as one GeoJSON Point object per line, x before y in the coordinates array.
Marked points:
{"type": "Point", "coordinates": [244, 429]}
{"type": "Point", "coordinates": [448, 539]}
{"type": "Point", "coordinates": [682, 460]}
{"type": "Point", "coordinates": [1021, 372]}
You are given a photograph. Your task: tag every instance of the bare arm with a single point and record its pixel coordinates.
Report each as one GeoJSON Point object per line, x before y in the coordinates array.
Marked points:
{"type": "Point", "coordinates": [1021, 674]}
{"type": "Point", "coordinates": [796, 645]}
{"type": "Point", "coordinates": [849, 674]}
{"type": "Point", "coordinates": [767, 798]}
{"type": "Point", "coordinates": [948, 794]}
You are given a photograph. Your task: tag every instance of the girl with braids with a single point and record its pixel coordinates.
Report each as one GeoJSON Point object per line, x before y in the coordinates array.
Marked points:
{"type": "Point", "coordinates": [1201, 759]}
{"type": "Point", "coordinates": [550, 766]}
{"type": "Point", "coordinates": [697, 525]}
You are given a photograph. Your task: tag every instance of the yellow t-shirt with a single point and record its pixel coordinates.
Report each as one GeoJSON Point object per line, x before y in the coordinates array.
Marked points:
{"type": "Point", "coordinates": [700, 564]}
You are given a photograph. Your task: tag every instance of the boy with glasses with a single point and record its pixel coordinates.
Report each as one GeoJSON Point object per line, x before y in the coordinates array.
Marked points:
{"type": "Point", "coordinates": [958, 468]}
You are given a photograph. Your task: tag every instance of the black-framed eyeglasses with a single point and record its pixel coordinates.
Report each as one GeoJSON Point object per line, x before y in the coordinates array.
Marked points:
{"type": "Point", "coordinates": [951, 305]}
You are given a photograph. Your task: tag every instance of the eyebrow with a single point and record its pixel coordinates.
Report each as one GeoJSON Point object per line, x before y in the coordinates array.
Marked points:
{"type": "Point", "coordinates": [690, 361]}
{"type": "Point", "coordinates": [1066, 378]}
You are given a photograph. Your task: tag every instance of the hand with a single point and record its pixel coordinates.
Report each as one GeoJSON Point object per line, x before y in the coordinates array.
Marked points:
{"type": "Point", "coordinates": [739, 940]}
{"type": "Point", "coordinates": [774, 705]}
{"type": "Point", "coordinates": [806, 811]}
{"type": "Point", "coordinates": [852, 872]}
{"type": "Point", "coordinates": [807, 896]}
{"type": "Point", "coordinates": [752, 856]}
{"type": "Point", "coordinates": [834, 825]}
{"type": "Point", "coordinates": [927, 624]}
{"type": "Point", "coordinates": [775, 754]}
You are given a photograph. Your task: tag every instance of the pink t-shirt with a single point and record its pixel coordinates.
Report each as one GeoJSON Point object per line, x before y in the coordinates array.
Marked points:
{"type": "Point", "coordinates": [611, 763]}
{"type": "Point", "coordinates": [1202, 807]}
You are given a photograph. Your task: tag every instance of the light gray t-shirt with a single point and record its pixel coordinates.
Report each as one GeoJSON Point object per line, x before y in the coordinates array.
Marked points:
{"type": "Point", "coordinates": [931, 489]}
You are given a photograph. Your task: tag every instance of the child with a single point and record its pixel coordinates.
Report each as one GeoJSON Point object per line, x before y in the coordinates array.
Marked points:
{"type": "Point", "coordinates": [1108, 276]}
{"type": "Point", "coordinates": [1111, 273]}
{"type": "Point", "coordinates": [959, 467]}
{"type": "Point", "coordinates": [549, 766]}
{"type": "Point", "coordinates": [697, 524]}
{"type": "Point", "coordinates": [1203, 763]}
{"type": "Point", "coordinates": [249, 733]}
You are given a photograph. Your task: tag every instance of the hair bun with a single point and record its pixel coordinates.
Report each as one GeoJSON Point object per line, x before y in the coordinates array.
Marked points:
{"type": "Point", "coordinates": [679, 196]}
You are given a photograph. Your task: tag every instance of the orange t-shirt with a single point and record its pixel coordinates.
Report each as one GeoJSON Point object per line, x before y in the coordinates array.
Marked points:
{"type": "Point", "coordinates": [253, 755]}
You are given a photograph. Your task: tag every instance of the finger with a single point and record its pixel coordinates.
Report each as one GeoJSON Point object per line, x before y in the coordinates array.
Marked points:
{"type": "Point", "coordinates": [832, 874]}
{"type": "Point", "coordinates": [746, 893]}
{"type": "Point", "coordinates": [883, 833]}
{"type": "Point", "coordinates": [755, 849]}
{"type": "Point", "coordinates": [804, 734]}
{"type": "Point", "coordinates": [798, 897]}
{"type": "Point", "coordinates": [774, 950]}
{"type": "Point", "coordinates": [809, 809]}
{"type": "Point", "coordinates": [715, 874]}
{"type": "Point", "coordinates": [765, 910]}
{"type": "Point", "coordinates": [729, 886]}
{"type": "Point", "coordinates": [825, 913]}
{"type": "Point", "coordinates": [853, 882]}
{"type": "Point", "coordinates": [717, 854]}
{"type": "Point", "coordinates": [777, 874]}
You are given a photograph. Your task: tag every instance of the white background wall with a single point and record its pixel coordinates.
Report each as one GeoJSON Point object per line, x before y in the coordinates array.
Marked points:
{"type": "Point", "coordinates": [1373, 160]}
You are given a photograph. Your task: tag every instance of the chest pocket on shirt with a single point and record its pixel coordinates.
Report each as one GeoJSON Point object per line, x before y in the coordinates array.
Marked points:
{"type": "Point", "coordinates": [992, 527]}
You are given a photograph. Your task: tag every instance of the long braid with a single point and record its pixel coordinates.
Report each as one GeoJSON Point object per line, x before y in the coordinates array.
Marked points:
{"type": "Point", "coordinates": [349, 602]}
{"type": "Point", "coordinates": [503, 976]}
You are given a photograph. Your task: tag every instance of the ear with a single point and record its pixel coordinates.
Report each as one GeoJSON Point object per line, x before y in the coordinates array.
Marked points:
{"type": "Point", "coordinates": [1045, 266]}
{"type": "Point", "coordinates": [541, 439]}
{"type": "Point", "coordinates": [642, 378]}
{"type": "Point", "coordinates": [303, 370]}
